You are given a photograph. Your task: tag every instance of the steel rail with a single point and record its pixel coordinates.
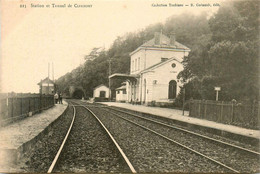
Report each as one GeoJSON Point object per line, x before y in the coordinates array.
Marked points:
{"type": "Point", "coordinates": [63, 143]}
{"type": "Point", "coordinates": [186, 147]}
{"type": "Point", "coordinates": [114, 141]}
{"type": "Point", "coordinates": [193, 133]}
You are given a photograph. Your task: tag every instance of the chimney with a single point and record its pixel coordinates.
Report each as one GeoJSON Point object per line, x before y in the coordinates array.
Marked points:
{"type": "Point", "coordinates": [172, 38]}
{"type": "Point", "coordinates": [157, 38]}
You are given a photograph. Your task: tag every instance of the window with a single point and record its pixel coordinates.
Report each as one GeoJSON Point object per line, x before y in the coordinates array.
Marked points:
{"type": "Point", "coordinates": [173, 65]}
{"type": "Point", "coordinates": [135, 64]}
{"type": "Point", "coordinates": [124, 91]}
{"type": "Point", "coordinates": [138, 63]}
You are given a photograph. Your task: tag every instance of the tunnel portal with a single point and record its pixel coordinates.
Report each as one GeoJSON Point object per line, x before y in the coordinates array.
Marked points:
{"type": "Point", "coordinates": [78, 94]}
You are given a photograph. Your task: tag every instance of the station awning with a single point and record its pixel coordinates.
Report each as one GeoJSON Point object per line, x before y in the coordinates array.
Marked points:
{"type": "Point", "coordinates": [124, 76]}
{"type": "Point", "coordinates": [121, 88]}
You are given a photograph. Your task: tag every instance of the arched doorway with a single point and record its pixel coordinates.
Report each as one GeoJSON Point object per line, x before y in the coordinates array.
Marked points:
{"type": "Point", "coordinates": [172, 89]}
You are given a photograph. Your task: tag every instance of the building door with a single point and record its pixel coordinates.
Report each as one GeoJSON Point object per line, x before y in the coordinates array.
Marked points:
{"type": "Point", "coordinates": [102, 94]}
{"type": "Point", "coordinates": [172, 89]}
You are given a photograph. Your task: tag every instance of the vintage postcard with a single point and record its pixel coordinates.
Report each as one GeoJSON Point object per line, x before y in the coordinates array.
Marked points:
{"type": "Point", "coordinates": [128, 86]}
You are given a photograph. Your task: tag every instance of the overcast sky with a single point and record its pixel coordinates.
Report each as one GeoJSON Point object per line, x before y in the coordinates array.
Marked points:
{"type": "Point", "coordinates": [32, 37]}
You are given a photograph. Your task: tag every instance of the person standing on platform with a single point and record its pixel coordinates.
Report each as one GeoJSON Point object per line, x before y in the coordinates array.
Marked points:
{"type": "Point", "coordinates": [60, 98]}
{"type": "Point", "coordinates": [56, 97]}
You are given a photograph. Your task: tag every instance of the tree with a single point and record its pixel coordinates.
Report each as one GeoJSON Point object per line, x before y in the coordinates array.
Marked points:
{"type": "Point", "coordinates": [230, 57]}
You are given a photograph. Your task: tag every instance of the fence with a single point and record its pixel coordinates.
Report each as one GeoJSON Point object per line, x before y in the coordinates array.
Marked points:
{"type": "Point", "coordinates": [17, 107]}
{"type": "Point", "coordinates": [243, 115]}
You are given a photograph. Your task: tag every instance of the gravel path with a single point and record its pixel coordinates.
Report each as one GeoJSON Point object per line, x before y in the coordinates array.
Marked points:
{"type": "Point", "coordinates": [244, 162]}
{"type": "Point", "coordinates": [150, 153]}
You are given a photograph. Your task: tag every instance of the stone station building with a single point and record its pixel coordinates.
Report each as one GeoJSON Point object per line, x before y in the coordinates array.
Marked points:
{"type": "Point", "coordinates": [154, 68]}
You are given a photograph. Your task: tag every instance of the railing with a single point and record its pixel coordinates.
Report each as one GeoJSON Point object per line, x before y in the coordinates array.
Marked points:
{"type": "Point", "coordinates": [239, 114]}
{"type": "Point", "coordinates": [18, 107]}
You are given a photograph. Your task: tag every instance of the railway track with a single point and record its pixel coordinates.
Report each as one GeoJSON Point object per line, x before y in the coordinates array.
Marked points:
{"type": "Point", "coordinates": [42, 153]}
{"type": "Point", "coordinates": [229, 156]}
{"type": "Point", "coordinates": [89, 147]}
{"type": "Point", "coordinates": [204, 134]}
{"type": "Point", "coordinates": [253, 152]}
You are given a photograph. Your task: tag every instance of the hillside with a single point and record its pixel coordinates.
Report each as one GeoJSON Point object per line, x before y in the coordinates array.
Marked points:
{"type": "Point", "coordinates": [224, 53]}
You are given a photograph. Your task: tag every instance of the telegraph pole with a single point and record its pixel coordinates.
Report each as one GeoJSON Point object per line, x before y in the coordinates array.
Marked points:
{"type": "Point", "coordinates": [52, 72]}
{"type": "Point", "coordinates": [48, 78]}
{"type": "Point", "coordinates": [109, 83]}
{"type": "Point", "coordinates": [40, 109]}
{"type": "Point", "coordinates": [54, 87]}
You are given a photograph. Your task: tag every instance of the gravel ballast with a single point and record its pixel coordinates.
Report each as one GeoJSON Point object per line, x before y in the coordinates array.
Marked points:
{"type": "Point", "coordinates": [212, 135]}
{"type": "Point", "coordinates": [40, 157]}
{"type": "Point", "coordinates": [150, 153]}
{"type": "Point", "coordinates": [237, 159]}
{"type": "Point", "coordinates": [89, 148]}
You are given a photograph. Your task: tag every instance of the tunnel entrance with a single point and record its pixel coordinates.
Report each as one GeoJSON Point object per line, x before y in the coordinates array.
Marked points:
{"type": "Point", "coordinates": [78, 94]}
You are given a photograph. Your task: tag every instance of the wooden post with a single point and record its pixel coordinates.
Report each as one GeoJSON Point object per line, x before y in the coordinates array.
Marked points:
{"type": "Point", "coordinates": [21, 106]}
{"type": "Point", "coordinates": [232, 112]}
{"type": "Point", "coordinates": [43, 103]}
{"type": "Point", "coordinates": [205, 109]}
{"type": "Point", "coordinates": [190, 105]}
{"type": "Point", "coordinates": [40, 107]}
{"type": "Point", "coordinates": [221, 112]}
{"type": "Point", "coordinates": [258, 112]}
{"type": "Point", "coordinates": [12, 111]}
{"type": "Point", "coordinates": [29, 107]}
{"type": "Point", "coordinates": [253, 109]}
{"type": "Point", "coordinates": [183, 101]}
{"type": "Point", "coordinates": [199, 108]}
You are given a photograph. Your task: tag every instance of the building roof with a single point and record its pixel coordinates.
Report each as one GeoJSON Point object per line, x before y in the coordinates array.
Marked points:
{"type": "Point", "coordinates": [100, 86]}
{"type": "Point", "coordinates": [159, 64]}
{"type": "Point", "coordinates": [46, 80]}
{"type": "Point", "coordinates": [131, 77]}
{"type": "Point", "coordinates": [165, 43]}
{"type": "Point", "coordinates": [121, 88]}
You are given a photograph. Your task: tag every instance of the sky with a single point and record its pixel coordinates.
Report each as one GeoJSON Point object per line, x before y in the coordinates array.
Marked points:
{"type": "Point", "coordinates": [33, 37]}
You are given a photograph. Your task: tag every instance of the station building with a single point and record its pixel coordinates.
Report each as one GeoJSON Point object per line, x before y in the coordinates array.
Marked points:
{"type": "Point", "coordinates": [101, 91]}
{"type": "Point", "coordinates": [154, 68]}
{"type": "Point", "coordinates": [48, 86]}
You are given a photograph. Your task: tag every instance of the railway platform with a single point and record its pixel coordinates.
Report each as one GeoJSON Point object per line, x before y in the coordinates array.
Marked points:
{"type": "Point", "coordinates": [20, 136]}
{"type": "Point", "coordinates": [234, 132]}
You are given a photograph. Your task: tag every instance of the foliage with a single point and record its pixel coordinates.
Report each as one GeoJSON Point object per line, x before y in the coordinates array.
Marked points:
{"type": "Point", "coordinates": [224, 53]}
{"type": "Point", "coordinates": [229, 59]}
